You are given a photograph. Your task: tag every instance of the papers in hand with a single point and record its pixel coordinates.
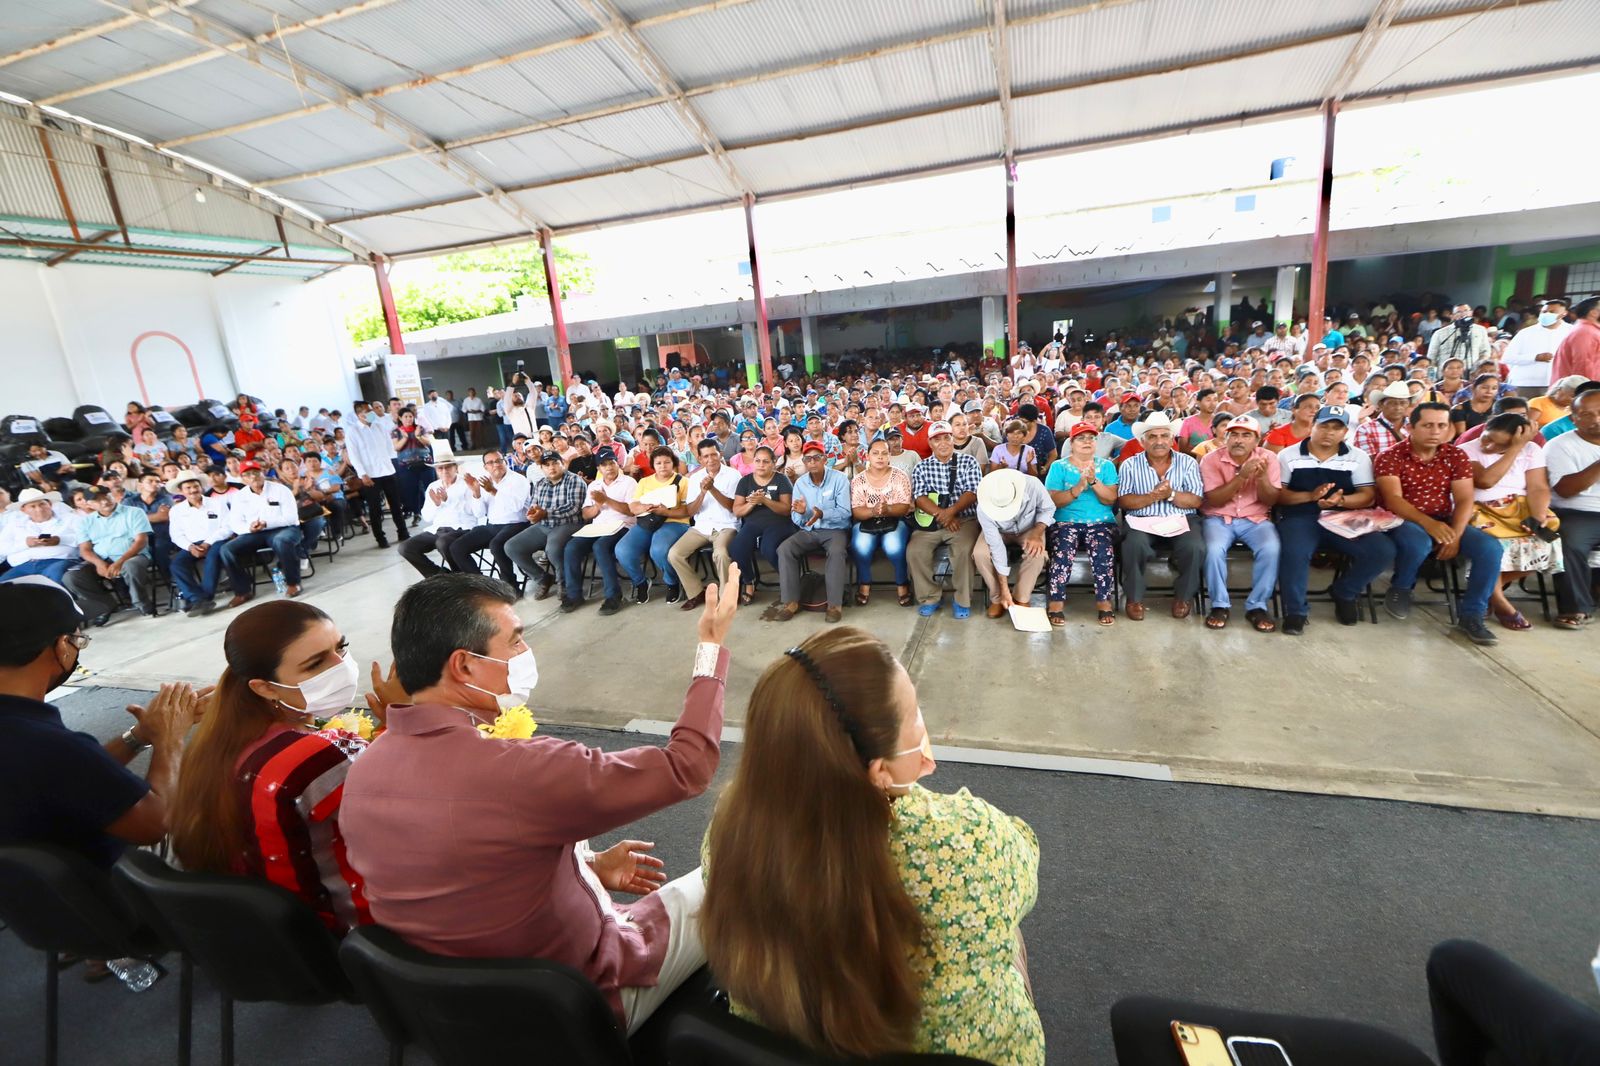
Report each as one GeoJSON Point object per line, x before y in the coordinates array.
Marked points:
{"type": "Point", "coordinates": [1029, 619]}
{"type": "Point", "coordinates": [1164, 525]}
{"type": "Point", "coordinates": [666, 496]}
{"type": "Point", "coordinates": [605, 523]}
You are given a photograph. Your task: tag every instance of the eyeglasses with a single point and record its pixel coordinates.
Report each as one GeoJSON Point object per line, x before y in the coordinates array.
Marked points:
{"type": "Point", "coordinates": [80, 640]}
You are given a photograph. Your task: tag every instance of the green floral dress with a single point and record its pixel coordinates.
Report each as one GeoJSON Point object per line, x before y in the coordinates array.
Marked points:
{"type": "Point", "coordinates": [973, 873]}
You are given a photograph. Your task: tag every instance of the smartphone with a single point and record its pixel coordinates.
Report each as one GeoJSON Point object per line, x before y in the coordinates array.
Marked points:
{"type": "Point", "coordinates": [1257, 1051]}
{"type": "Point", "coordinates": [1200, 1045]}
{"type": "Point", "coordinates": [1330, 494]}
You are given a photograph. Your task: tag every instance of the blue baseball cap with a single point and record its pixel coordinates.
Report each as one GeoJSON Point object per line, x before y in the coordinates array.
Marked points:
{"type": "Point", "coordinates": [1333, 412]}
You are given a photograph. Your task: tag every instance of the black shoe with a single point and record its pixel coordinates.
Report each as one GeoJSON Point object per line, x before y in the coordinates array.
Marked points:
{"type": "Point", "coordinates": [1398, 603]}
{"type": "Point", "coordinates": [382, 542]}
{"type": "Point", "coordinates": [674, 593]}
{"type": "Point", "coordinates": [611, 605]}
{"type": "Point", "coordinates": [403, 535]}
{"type": "Point", "coordinates": [641, 592]}
{"type": "Point", "coordinates": [148, 612]}
{"type": "Point", "coordinates": [1294, 625]}
{"type": "Point", "coordinates": [568, 606]}
{"type": "Point", "coordinates": [1476, 631]}
{"type": "Point", "coordinates": [1348, 612]}
{"type": "Point", "coordinates": [205, 607]}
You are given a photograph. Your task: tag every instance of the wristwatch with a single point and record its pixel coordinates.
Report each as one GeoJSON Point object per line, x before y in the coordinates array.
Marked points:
{"type": "Point", "coordinates": [131, 739]}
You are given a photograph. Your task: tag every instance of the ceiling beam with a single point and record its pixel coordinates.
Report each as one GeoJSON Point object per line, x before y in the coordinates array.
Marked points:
{"type": "Point", "coordinates": [84, 33]}
{"type": "Point", "coordinates": [604, 13]}
{"type": "Point", "coordinates": [1000, 49]}
{"type": "Point", "coordinates": [424, 80]}
{"type": "Point", "coordinates": [103, 235]}
{"type": "Point", "coordinates": [111, 193]}
{"type": "Point", "coordinates": [237, 263]}
{"type": "Point", "coordinates": [169, 253]}
{"type": "Point", "coordinates": [1170, 67]}
{"type": "Point", "coordinates": [170, 167]}
{"type": "Point", "coordinates": [277, 33]}
{"type": "Point", "coordinates": [1382, 15]}
{"type": "Point", "coordinates": [275, 60]}
{"type": "Point", "coordinates": [608, 110]}
{"type": "Point", "coordinates": [55, 177]}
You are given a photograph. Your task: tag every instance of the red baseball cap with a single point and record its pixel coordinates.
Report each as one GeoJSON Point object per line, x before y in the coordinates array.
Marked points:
{"type": "Point", "coordinates": [252, 465]}
{"type": "Point", "coordinates": [1130, 397]}
{"type": "Point", "coordinates": [813, 446]}
{"type": "Point", "coordinates": [1080, 429]}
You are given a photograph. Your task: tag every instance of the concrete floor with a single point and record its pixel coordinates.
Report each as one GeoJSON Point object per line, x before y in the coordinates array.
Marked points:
{"type": "Point", "coordinates": [1394, 710]}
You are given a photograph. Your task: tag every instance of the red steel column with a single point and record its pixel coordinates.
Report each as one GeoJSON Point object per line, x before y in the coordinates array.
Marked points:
{"type": "Point", "coordinates": [1319, 237]}
{"type": "Point", "coordinates": [763, 331]}
{"type": "Point", "coordinates": [1013, 327]}
{"type": "Point", "coordinates": [558, 322]}
{"type": "Point", "coordinates": [391, 320]}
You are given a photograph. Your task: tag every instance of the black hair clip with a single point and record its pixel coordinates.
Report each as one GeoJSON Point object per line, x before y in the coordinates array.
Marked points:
{"type": "Point", "coordinates": [817, 678]}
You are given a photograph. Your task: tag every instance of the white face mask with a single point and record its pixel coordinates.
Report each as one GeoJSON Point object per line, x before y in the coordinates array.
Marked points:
{"type": "Point", "coordinates": [1548, 318]}
{"type": "Point", "coordinates": [926, 750]}
{"type": "Point", "coordinates": [522, 675]}
{"type": "Point", "coordinates": [332, 690]}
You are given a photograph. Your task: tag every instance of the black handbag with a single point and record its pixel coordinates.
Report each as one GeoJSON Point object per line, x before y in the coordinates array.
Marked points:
{"type": "Point", "coordinates": [653, 522]}
{"type": "Point", "coordinates": [882, 524]}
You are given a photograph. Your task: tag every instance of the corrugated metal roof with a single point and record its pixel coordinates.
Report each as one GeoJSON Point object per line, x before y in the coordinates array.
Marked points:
{"type": "Point", "coordinates": [827, 93]}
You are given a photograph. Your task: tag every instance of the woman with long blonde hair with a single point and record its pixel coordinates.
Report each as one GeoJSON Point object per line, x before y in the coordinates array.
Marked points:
{"type": "Point", "coordinates": [259, 790]}
{"type": "Point", "coordinates": [847, 907]}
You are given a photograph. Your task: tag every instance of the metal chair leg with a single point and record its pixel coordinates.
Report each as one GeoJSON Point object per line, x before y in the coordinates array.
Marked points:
{"type": "Point", "coordinates": [52, 1006]}
{"type": "Point", "coordinates": [185, 1010]}
{"type": "Point", "coordinates": [227, 1030]}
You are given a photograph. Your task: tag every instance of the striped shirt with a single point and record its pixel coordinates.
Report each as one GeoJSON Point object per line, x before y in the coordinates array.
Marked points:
{"type": "Point", "coordinates": [1137, 477]}
{"type": "Point", "coordinates": [932, 478]}
{"type": "Point", "coordinates": [290, 785]}
{"type": "Point", "coordinates": [1375, 436]}
{"type": "Point", "coordinates": [562, 500]}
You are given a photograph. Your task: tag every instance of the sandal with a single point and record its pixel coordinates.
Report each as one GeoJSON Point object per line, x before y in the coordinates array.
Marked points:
{"type": "Point", "coordinates": [1514, 621]}
{"type": "Point", "coordinates": [1261, 620]}
{"type": "Point", "coordinates": [1057, 619]}
{"type": "Point", "coordinates": [747, 596]}
{"type": "Point", "coordinates": [1571, 621]}
{"type": "Point", "coordinates": [1217, 619]}
{"type": "Point", "coordinates": [907, 600]}
{"type": "Point", "coordinates": [1108, 618]}
{"type": "Point", "coordinates": [862, 598]}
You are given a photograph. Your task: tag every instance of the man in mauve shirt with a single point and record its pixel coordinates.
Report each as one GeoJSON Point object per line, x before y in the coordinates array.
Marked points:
{"type": "Point", "coordinates": [475, 846]}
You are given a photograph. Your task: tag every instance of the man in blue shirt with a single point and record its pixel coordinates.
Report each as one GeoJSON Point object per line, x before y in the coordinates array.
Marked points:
{"type": "Point", "coordinates": [115, 547]}
{"type": "Point", "coordinates": [822, 512]}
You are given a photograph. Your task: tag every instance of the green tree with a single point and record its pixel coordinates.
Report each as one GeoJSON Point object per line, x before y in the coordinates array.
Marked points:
{"type": "Point", "coordinates": [471, 285]}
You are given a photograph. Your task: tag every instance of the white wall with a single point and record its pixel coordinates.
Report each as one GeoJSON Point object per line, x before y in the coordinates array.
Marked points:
{"type": "Point", "coordinates": [83, 334]}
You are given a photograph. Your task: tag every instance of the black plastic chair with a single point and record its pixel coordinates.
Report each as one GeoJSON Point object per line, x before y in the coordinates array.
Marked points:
{"type": "Point", "coordinates": [707, 1038]}
{"type": "Point", "coordinates": [57, 901]}
{"type": "Point", "coordinates": [1141, 1030]}
{"type": "Point", "coordinates": [255, 941]}
{"type": "Point", "coordinates": [469, 1012]}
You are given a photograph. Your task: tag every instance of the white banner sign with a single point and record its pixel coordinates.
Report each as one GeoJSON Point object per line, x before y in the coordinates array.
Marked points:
{"type": "Point", "coordinates": [405, 380]}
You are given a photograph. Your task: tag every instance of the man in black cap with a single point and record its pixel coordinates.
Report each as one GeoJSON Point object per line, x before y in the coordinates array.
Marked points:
{"type": "Point", "coordinates": [63, 787]}
{"type": "Point", "coordinates": [556, 510]}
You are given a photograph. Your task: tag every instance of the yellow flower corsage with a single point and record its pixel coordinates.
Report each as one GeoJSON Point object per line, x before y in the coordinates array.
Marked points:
{"type": "Point", "coordinates": [352, 721]}
{"type": "Point", "coordinates": [515, 723]}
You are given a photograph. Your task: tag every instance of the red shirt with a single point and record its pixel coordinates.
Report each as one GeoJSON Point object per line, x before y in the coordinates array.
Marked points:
{"type": "Point", "coordinates": [1578, 354]}
{"type": "Point", "coordinates": [1425, 485]}
{"type": "Point", "coordinates": [1284, 436]}
{"type": "Point", "coordinates": [916, 440]}
{"type": "Point", "coordinates": [248, 440]}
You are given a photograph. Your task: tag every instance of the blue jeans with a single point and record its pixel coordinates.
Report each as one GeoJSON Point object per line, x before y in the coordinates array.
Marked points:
{"type": "Point", "coordinates": [638, 540]}
{"type": "Point", "coordinates": [1262, 540]}
{"type": "Point", "coordinates": [1302, 536]}
{"type": "Point", "coordinates": [506, 436]}
{"type": "Point", "coordinates": [239, 556]}
{"type": "Point", "coordinates": [196, 579]}
{"type": "Point", "coordinates": [54, 569]}
{"type": "Point", "coordinates": [1412, 546]}
{"type": "Point", "coordinates": [864, 545]}
{"type": "Point", "coordinates": [767, 538]}
{"type": "Point", "coordinates": [605, 561]}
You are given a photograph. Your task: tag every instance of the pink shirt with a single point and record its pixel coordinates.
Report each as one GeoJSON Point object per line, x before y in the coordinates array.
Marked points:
{"type": "Point", "coordinates": [1218, 468]}
{"type": "Point", "coordinates": [1578, 354]}
{"type": "Point", "coordinates": [468, 844]}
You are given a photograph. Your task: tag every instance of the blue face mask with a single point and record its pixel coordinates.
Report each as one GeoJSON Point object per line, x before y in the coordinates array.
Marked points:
{"type": "Point", "coordinates": [1548, 318]}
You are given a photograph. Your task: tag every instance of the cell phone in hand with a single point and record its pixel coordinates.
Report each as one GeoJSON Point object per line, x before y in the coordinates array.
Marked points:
{"type": "Point", "coordinates": [1544, 533]}
{"type": "Point", "coordinates": [1257, 1051]}
{"type": "Point", "coordinates": [1333, 490]}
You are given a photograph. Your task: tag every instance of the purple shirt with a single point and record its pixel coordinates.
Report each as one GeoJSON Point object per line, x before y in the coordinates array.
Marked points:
{"type": "Point", "coordinates": [468, 844]}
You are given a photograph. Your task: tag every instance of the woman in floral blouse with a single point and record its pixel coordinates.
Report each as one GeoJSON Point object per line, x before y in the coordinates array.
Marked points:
{"type": "Point", "coordinates": [900, 929]}
{"type": "Point", "coordinates": [880, 499]}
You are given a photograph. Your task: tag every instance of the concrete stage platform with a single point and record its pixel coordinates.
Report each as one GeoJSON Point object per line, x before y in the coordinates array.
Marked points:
{"type": "Point", "coordinates": [1397, 710]}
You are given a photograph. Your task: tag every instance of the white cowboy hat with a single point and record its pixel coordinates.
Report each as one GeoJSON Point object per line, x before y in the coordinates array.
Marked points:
{"type": "Point", "coordinates": [34, 496]}
{"type": "Point", "coordinates": [175, 486]}
{"type": "Point", "coordinates": [1001, 494]}
{"type": "Point", "coordinates": [443, 454]}
{"type": "Point", "coordinates": [1397, 390]}
{"type": "Point", "coordinates": [1157, 420]}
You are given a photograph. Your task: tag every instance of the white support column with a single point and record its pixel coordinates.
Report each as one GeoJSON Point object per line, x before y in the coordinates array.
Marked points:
{"type": "Point", "coordinates": [1283, 296]}
{"type": "Point", "coordinates": [752, 354]}
{"type": "Point", "coordinates": [808, 342]}
{"type": "Point", "coordinates": [553, 368]}
{"type": "Point", "coordinates": [647, 355]}
{"type": "Point", "coordinates": [994, 326]}
{"type": "Point", "coordinates": [1224, 302]}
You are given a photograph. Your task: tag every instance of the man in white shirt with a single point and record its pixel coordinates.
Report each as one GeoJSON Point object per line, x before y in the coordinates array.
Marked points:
{"type": "Point", "coordinates": [1462, 339]}
{"type": "Point", "coordinates": [198, 527]}
{"type": "Point", "coordinates": [606, 507]}
{"type": "Point", "coordinates": [371, 455]}
{"type": "Point", "coordinates": [449, 509]}
{"type": "Point", "coordinates": [436, 415]}
{"type": "Point", "coordinates": [44, 466]}
{"type": "Point", "coordinates": [1531, 351]}
{"type": "Point", "coordinates": [36, 540]}
{"type": "Point", "coordinates": [503, 495]}
{"type": "Point", "coordinates": [1572, 462]}
{"type": "Point", "coordinates": [712, 522]}
{"type": "Point", "coordinates": [324, 421]}
{"type": "Point", "coordinates": [262, 515]}
{"type": "Point", "coordinates": [473, 409]}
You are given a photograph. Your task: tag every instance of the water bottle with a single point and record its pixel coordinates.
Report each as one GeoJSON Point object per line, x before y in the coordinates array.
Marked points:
{"type": "Point", "coordinates": [278, 582]}
{"type": "Point", "coordinates": [135, 974]}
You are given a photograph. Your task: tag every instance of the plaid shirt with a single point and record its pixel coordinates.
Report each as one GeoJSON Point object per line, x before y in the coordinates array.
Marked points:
{"type": "Point", "coordinates": [562, 500]}
{"type": "Point", "coordinates": [1375, 436]}
{"type": "Point", "coordinates": [931, 477]}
